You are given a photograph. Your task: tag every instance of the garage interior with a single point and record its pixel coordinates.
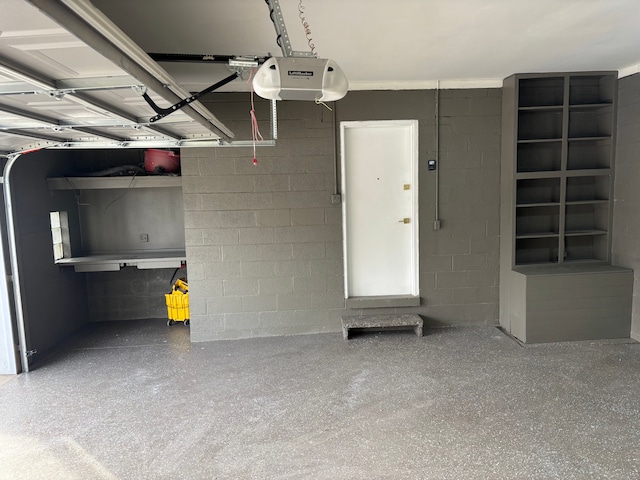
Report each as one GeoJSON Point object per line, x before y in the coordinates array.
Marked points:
{"type": "Point", "coordinates": [526, 208]}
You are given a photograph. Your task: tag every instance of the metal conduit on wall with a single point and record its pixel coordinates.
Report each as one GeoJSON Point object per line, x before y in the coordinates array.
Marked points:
{"type": "Point", "coordinates": [436, 221]}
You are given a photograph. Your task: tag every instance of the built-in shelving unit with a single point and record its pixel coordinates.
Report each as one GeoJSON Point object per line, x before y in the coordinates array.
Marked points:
{"type": "Point", "coordinates": [557, 185]}
{"type": "Point", "coordinates": [125, 221]}
{"type": "Point", "coordinates": [564, 127]}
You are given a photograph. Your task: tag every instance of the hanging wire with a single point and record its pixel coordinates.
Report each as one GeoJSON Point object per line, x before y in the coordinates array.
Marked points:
{"type": "Point", "coordinates": [78, 193]}
{"type": "Point", "coordinates": [307, 28]}
{"type": "Point", "coordinates": [256, 136]}
{"type": "Point", "coordinates": [320, 102]}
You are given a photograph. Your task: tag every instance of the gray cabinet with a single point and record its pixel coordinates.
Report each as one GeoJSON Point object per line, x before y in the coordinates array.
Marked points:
{"type": "Point", "coordinates": [556, 196]}
{"type": "Point", "coordinates": [568, 302]}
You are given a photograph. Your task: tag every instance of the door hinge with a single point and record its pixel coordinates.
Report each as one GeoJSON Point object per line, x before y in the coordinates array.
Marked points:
{"type": "Point", "coordinates": [31, 353]}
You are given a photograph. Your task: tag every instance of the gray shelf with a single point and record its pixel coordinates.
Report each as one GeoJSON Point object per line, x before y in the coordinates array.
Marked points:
{"type": "Point", "coordinates": [542, 108]}
{"type": "Point", "coordinates": [115, 261]}
{"type": "Point", "coordinates": [589, 138]}
{"type": "Point", "coordinates": [580, 233]}
{"type": "Point", "coordinates": [591, 172]}
{"type": "Point", "coordinates": [537, 174]}
{"type": "Point", "coordinates": [539, 235]}
{"type": "Point", "coordinates": [96, 183]}
{"type": "Point", "coordinates": [540, 204]}
{"type": "Point", "coordinates": [587, 202]}
{"type": "Point", "coordinates": [591, 106]}
{"type": "Point", "coordinates": [577, 268]}
{"type": "Point", "coordinates": [540, 140]}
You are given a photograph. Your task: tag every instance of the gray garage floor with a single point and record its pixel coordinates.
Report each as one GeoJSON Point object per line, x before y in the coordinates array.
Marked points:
{"type": "Point", "coordinates": [136, 400]}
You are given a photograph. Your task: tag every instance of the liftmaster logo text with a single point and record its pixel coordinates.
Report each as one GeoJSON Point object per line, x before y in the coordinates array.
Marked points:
{"type": "Point", "coordinates": [300, 73]}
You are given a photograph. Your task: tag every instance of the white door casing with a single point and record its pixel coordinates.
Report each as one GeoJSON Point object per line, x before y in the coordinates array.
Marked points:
{"type": "Point", "coordinates": [380, 208]}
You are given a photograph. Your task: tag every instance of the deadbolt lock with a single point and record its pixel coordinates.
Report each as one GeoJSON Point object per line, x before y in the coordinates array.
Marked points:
{"type": "Point", "coordinates": [405, 220]}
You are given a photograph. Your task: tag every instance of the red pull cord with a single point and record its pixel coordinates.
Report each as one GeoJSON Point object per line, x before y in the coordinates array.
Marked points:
{"type": "Point", "coordinates": [255, 130]}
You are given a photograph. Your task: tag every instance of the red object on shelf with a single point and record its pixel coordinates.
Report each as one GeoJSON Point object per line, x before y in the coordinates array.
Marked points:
{"type": "Point", "coordinates": [161, 161]}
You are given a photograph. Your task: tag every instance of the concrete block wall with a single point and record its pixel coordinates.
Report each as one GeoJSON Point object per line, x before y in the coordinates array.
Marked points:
{"type": "Point", "coordinates": [264, 243]}
{"type": "Point", "coordinates": [54, 299]}
{"type": "Point", "coordinates": [626, 223]}
{"type": "Point", "coordinates": [459, 263]}
{"type": "Point", "coordinates": [130, 293]}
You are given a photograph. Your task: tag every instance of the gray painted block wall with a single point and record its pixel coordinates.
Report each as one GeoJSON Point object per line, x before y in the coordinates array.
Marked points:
{"type": "Point", "coordinates": [130, 293]}
{"type": "Point", "coordinates": [264, 243]}
{"type": "Point", "coordinates": [626, 222]}
{"type": "Point", "coordinates": [459, 264]}
{"type": "Point", "coordinates": [54, 298]}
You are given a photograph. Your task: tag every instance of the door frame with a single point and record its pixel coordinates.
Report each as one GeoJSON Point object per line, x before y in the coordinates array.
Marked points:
{"type": "Point", "coordinates": [412, 298]}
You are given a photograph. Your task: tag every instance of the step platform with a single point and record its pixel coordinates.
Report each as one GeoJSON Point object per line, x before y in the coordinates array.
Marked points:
{"type": "Point", "coordinates": [381, 322]}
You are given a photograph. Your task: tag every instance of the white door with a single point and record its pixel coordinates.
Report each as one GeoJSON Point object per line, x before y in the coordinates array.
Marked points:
{"type": "Point", "coordinates": [380, 207]}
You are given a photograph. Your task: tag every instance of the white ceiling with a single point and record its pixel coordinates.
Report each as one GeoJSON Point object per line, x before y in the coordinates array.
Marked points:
{"type": "Point", "coordinates": [383, 44]}
{"type": "Point", "coordinates": [406, 44]}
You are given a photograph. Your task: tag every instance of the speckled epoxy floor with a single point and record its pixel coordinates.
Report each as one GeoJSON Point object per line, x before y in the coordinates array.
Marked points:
{"type": "Point", "coordinates": [138, 401]}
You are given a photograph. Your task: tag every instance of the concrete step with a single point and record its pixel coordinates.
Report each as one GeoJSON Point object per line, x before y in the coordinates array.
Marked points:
{"type": "Point", "coordinates": [381, 322]}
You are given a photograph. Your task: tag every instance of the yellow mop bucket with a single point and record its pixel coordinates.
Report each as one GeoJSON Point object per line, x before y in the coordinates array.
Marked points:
{"type": "Point", "coordinates": [178, 303]}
